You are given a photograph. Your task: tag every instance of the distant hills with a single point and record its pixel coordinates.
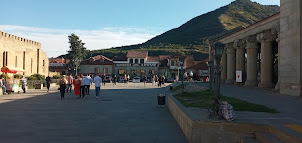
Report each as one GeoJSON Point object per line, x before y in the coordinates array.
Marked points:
{"type": "Point", "coordinates": [190, 37]}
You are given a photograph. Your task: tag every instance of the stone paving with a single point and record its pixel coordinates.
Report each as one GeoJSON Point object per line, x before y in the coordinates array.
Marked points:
{"type": "Point", "coordinates": [126, 113]}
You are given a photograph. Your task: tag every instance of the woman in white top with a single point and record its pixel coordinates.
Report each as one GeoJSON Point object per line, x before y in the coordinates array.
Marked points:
{"type": "Point", "coordinates": [82, 86]}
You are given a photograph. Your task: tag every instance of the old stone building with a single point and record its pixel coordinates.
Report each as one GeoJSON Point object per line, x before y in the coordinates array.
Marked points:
{"type": "Point", "coordinates": [268, 53]}
{"type": "Point", "coordinates": [21, 53]}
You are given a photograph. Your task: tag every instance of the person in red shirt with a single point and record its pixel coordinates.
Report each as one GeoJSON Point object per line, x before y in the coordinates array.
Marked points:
{"type": "Point", "coordinates": [77, 84]}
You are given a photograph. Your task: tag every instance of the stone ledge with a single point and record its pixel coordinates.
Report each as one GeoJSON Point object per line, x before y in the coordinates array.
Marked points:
{"type": "Point", "coordinates": [199, 131]}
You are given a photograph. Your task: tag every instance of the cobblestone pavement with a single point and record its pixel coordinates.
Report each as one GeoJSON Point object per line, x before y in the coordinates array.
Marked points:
{"type": "Point", "coordinates": [126, 113]}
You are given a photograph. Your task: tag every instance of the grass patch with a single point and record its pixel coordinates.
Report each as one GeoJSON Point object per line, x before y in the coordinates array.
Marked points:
{"type": "Point", "coordinates": [178, 87]}
{"type": "Point", "coordinates": [205, 98]}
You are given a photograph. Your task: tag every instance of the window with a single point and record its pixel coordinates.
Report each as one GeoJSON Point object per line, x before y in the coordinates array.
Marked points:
{"type": "Point", "coordinates": [142, 61]}
{"type": "Point", "coordinates": [3, 58]}
{"type": "Point", "coordinates": [143, 72]}
{"type": "Point", "coordinates": [122, 71]}
{"type": "Point", "coordinates": [105, 70]}
{"type": "Point", "coordinates": [24, 60]}
{"type": "Point", "coordinates": [16, 62]}
{"type": "Point", "coordinates": [43, 63]}
{"type": "Point", "coordinates": [136, 61]}
{"type": "Point", "coordinates": [31, 65]}
{"type": "Point", "coordinates": [97, 70]}
{"type": "Point", "coordinates": [131, 61]}
{"type": "Point", "coordinates": [151, 71]}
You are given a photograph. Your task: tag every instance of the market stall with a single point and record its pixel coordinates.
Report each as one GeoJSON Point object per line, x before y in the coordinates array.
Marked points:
{"type": "Point", "coordinates": [12, 84]}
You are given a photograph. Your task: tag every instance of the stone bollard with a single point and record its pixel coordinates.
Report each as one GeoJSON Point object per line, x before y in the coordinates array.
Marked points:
{"type": "Point", "coordinates": [39, 86]}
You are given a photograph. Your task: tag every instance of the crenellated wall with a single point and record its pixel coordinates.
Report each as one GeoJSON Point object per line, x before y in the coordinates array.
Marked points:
{"type": "Point", "coordinates": [22, 53]}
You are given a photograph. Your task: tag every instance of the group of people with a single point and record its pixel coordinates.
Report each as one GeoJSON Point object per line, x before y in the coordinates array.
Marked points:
{"type": "Point", "coordinates": [3, 84]}
{"type": "Point", "coordinates": [81, 85]}
{"type": "Point", "coordinates": [158, 80]}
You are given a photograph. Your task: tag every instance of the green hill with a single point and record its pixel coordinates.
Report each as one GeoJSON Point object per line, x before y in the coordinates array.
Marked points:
{"type": "Point", "coordinates": [190, 37]}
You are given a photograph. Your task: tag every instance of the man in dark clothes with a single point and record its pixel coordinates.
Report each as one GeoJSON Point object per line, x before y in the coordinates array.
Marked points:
{"type": "Point", "coordinates": [48, 81]}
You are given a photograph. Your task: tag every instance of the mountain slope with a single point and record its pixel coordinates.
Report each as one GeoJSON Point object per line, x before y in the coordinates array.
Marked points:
{"type": "Point", "coordinates": [238, 13]}
{"type": "Point", "coordinates": [190, 37]}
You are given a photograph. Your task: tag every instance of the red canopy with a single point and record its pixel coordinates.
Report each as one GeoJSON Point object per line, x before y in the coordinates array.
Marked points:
{"type": "Point", "coordinates": [7, 69]}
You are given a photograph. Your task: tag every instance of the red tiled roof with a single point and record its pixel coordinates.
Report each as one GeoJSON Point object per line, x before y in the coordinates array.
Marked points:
{"type": "Point", "coordinates": [59, 60]}
{"type": "Point", "coordinates": [96, 60]}
{"type": "Point", "coordinates": [202, 65]}
{"type": "Point", "coordinates": [99, 57]}
{"type": "Point", "coordinates": [163, 57]}
{"type": "Point", "coordinates": [152, 59]}
{"type": "Point", "coordinates": [137, 54]}
{"type": "Point", "coordinates": [189, 62]}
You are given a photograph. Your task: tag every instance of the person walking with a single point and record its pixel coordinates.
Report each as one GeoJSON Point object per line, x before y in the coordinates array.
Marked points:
{"type": "Point", "coordinates": [128, 78]}
{"type": "Point", "coordinates": [145, 80]}
{"type": "Point", "coordinates": [114, 80]}
{"type": "Point", "coordinates": [48, 81]}
{"type": "Point", "coordinates": [82, 86]}
{"type": "Point", "coordinates": [88, 82]}
{"type": "Point", "coordinates": [163, 80]}
{"type": "Point", "coordinates": [76, 85]}
{"type": "Point", "coordinates": [156, 80]}
{"type": "Point", "coordinates": [69, 85]}
{"type": "Point", "coordinates": [97, 82]}
{"type": "Point", "coordinates": [153, 80]}
{"type": "Point", "coordinates": [24, 83]}
{"type": "Point", "coordinates": [103, 79]}
{"type": "Point", "coordinates": [125, 79]}
{"type": "Point", "coordinates": [63, 86]}
{"type": "Point", "coordinates": [2, 84]}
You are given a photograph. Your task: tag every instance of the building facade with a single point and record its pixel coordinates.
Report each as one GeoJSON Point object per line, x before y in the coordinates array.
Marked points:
{"type": "Point", "coordinates": [268, 52]}
{"type": "Point", "coordinates": [96, 65]}
{"type": "Point", "coordinates": [136, 64]}
{"type": "Point", "coordinates": [21, 53]}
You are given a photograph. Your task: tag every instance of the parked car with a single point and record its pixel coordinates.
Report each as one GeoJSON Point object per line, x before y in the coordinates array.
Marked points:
{"type": "Point", "coordinates": [120, 79]}
{"type": "Point", "coordinates": [136, 80]}
{"type": "Point", "coordinates": [170, 80]}
{"type": "Point", "coordinates": [107, 79]}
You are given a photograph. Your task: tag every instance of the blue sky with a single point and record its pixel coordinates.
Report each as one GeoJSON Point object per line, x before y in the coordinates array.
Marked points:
{"type": "Point", "coordinates": [99, 23]}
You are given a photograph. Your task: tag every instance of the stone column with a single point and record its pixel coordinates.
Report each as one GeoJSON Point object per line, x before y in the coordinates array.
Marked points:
{"type": "Point", "coordinates": [240, 57]}
{"type": "Point", "coordinates": [276, 31]}
{"type": "Point", "coordinates": [291, 47]}
{"type": "Point", "coordinates": [266, 39]}
{"type": "Point", "coordinates": [223, 63]}
{"type": "Point", "coordinates": [230, 64]}
{"type": "Point", "coordinates": [252, 54]}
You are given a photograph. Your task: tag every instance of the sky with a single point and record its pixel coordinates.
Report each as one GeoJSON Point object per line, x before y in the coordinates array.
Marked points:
{"type": "Point", "coordinates": [99, 23]}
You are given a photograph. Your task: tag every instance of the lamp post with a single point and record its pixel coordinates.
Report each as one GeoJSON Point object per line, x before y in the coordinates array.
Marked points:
{"type": "Point", "coordinates": [211, 64]}
{"type": "Point", "coordinates": [219, 47]}
{"type": "Point", "coordinates": [181, 61]}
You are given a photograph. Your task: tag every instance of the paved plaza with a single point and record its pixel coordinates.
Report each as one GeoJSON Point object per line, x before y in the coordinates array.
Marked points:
{"type": "Point", "coordinates": [126, 113]}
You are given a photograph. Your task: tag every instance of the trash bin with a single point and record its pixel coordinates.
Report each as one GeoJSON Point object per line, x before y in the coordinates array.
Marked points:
{"type": "Point", "coordinates": [161, 99]}
{"type": "Point", "coordinates": [171, 87]}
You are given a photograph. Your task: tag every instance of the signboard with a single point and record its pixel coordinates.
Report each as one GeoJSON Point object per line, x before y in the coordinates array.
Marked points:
{"type": "Point", "coordinates": [136, 65]}
{"type": "Point", "coordinates": [239, 76]}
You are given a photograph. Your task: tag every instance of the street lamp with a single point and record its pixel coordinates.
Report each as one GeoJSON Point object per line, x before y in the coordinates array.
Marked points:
{"type": "Point", "coordinates": [219, 47]}
{"type": "Point", "coordinates": [181, 61]}
{"type": "Point", "coordinates": [211, 64]}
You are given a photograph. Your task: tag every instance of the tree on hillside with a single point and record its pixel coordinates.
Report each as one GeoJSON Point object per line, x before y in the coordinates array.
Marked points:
{"type": "Point", "coordinates": [77, 51]}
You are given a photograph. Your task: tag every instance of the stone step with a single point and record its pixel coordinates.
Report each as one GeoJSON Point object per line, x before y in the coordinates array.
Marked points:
{"type": "Point", "coordinates": [249, 140]}
{"type": "Point", "coordinates": [267, 138]}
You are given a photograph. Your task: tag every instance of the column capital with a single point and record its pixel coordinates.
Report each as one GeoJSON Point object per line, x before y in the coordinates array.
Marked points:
{"type": "Point", "coordinates": [238, 44]}
{"type": "Point", "coordinates": [251, 42]}
{"type": "Point", "coordinates": [230, 48]}
{"type": "Point", "coordinates": [265, 36]}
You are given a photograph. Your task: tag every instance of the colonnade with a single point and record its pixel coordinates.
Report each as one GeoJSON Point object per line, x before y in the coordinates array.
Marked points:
{"type": "Point", "coordinates": [243, 54]}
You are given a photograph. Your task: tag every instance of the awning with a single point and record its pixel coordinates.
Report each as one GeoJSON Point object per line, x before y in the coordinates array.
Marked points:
{"type": "Point", "coordinates": [7, 69]}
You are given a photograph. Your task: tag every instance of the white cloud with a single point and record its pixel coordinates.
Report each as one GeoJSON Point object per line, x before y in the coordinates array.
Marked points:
{"type": "Point", "coordinates": [55, 41]}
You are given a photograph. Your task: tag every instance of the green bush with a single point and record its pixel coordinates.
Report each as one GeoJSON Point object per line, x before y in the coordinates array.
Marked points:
{"type": "Point", "coordinates": [36, 77]}
{"type": "Point", "coordinates": [56, 76]}
{"type": "Point", "coordinates": [17, 76]}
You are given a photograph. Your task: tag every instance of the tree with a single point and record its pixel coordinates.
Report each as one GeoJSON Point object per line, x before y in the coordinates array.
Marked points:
{"type": "Point", "coordinates": [77, 51]}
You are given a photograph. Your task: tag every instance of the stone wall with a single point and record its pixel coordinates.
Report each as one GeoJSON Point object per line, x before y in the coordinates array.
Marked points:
{"type": "Point", "coordinates": [290, 47]}
{"type": "Point", "coordinates": [13, 49]}
{"type": "Point", "coordinates": [85, 69]}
